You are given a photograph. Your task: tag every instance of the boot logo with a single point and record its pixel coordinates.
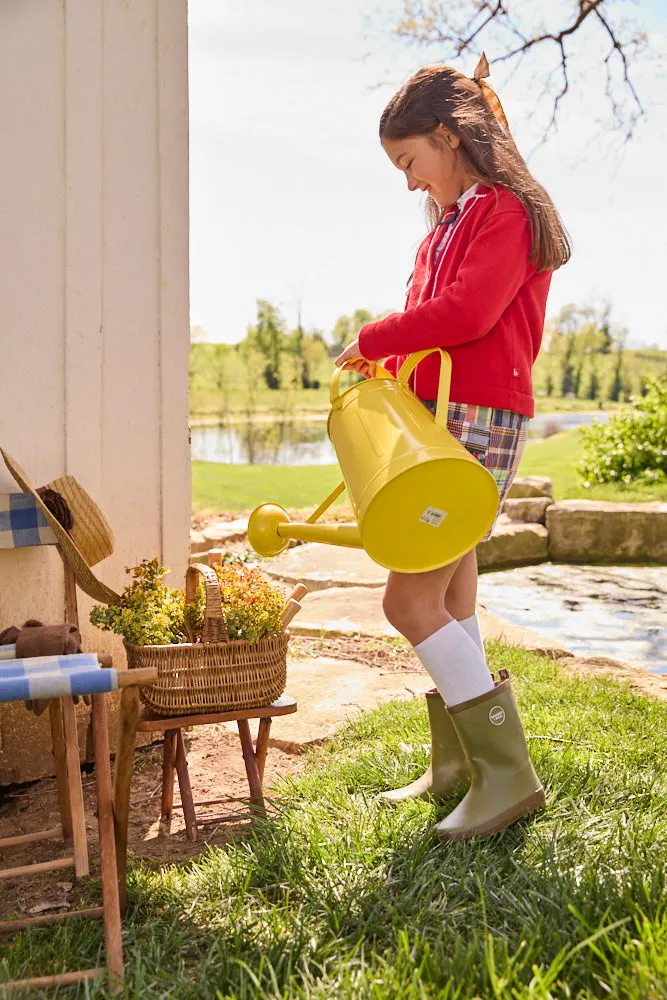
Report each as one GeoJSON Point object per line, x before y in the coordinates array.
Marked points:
{"type": "Point", "coordinates": [497, 715]}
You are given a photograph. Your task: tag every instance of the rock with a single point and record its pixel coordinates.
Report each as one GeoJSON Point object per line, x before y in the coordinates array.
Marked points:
{"type": "Point", "coordinates": [528, 510]}
{"type": "Point", "coordinates": [221, 532]}
{"type": "Point", "coordinates": [329, 691]}
{"type": "Point", "coordinates": [343, 611]}
{"type": "Point", "coordinates": [198, 542]}
{"type": "Point", "coordinates": [531, 486]}
{"type": "Point", "coordinates": [599, 531]}
{"type": "Point", "coordinates": [514, 545]}
{"type": "Point", "coordinates": [320, 566]}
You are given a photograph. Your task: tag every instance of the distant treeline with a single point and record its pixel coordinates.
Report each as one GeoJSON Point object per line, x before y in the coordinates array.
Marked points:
{"type": "Point", "coordinates": [270, 367]}
{"type": "Point", "coordinates": [583, 356]}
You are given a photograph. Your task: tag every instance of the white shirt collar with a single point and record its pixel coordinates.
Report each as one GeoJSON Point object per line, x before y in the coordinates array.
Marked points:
{"type": "Point", "coordinates": [468, 193]}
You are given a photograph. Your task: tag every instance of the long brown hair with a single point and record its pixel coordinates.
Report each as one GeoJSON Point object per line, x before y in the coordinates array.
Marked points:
{"type": "Point", "coordinates": [439, 95]}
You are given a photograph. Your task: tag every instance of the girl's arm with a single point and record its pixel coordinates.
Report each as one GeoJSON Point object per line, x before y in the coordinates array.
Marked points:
{"type": "Point", "coordinates": [495, 266]}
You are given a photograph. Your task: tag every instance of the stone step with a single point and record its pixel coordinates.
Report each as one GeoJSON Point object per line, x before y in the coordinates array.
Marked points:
{"type": "Point", "coordinates": [352, 611]}
{"type": "Point", "coordinates": [329, 692]}
{"type": "Point", "coordinates": [322, 566]}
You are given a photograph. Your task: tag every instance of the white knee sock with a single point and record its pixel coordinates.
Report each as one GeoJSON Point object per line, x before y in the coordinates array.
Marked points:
{"type": "Point", "coordinates": [457, 666]}
{"type": "Point", "coordinates": [471, 626]}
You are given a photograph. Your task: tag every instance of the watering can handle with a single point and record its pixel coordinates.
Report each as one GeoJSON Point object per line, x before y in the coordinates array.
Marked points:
{"type": "Point", "coordinates": [334, 394]}
{"type": "Point", "coordinates": [444, 381]}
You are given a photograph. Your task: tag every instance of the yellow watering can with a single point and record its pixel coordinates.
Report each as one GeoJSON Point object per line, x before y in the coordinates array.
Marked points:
{"type": "Point", "coordinates": [421, 500]}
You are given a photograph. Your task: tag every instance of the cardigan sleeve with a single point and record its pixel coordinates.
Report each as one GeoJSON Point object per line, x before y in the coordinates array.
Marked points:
{"type": "Point", "coordinates": [495, 266]}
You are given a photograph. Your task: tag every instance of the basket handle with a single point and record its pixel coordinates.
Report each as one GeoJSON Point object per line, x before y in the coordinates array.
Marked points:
{"type": "Point", "coordinates": [215, 626]}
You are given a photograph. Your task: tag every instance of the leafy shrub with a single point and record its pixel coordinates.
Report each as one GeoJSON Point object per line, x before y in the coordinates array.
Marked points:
{"type": "Point", "coordinates": [633, 444]}
{"type": "Point", "coordinates": [151, 614]}
{"type": "Point", "coordinates": [251, 606]}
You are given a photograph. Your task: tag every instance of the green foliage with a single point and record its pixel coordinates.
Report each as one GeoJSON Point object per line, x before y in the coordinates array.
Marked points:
{"type": "Point", "coordinates": [584, 356]}
{"type": "Point", "coordinates": [268, 336]}
{"type": "Point", "coordinates": [252, 606]}
{"type": "Point", "coordinates": [346, 329]}
{"type": "Point", "coordinates": [633, 445]}
{"type": "Point", "coordinates": [151, 614]}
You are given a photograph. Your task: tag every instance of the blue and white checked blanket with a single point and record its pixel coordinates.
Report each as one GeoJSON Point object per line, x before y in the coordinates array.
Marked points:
{"type": "Point", "coordinates": [52, 676]}
{"type": "Point", "coordinates": [22, 522]}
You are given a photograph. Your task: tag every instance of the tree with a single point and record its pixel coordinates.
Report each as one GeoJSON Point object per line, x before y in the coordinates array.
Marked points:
{"type": "Point", "coordinates": [221, 373]}
{"type": "Point", "coordinates": [593, 384]}
{"type": "Point", "coordinates": [313, 354]}
{"type": "Point", "coordinates": [546, 35]}
{"type": "Point", "coordinates": [606, 341]}
{"type": "Point", "coordinates": [346, 329]}
{"type": "Point", "coordinates": [268, 337]}
{"type": "Point", "coordinates": [618, 388]}
{"type": "Point", "coordinates": [567, 379]}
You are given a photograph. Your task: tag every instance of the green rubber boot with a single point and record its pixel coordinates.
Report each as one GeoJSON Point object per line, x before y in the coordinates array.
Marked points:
{"type": "Point", "coordinates": [448, 764]}
{"type": "Point", "coordinates": [504, 785]}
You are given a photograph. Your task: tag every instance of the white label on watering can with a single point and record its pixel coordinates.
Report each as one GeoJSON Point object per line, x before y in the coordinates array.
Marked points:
{"type": "Point", "coordinates": [433, 516]}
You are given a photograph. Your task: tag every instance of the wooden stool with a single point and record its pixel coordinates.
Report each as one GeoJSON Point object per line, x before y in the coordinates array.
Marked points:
{"type": "Point", "coordinates": [70, 794]}
{"type": "Point", "coordinates": [174, 759]}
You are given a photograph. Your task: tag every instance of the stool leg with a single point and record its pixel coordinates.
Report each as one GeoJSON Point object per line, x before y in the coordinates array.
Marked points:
{"type": "Point", "coordinates": [122, 783]}
{"type": "Point", "coordinates": [75, 788]}
{"type": "Point", "coordinates": [168, 763]}
{"type": "Point", "coordinates": [110, 899]}
{"type": "Point", "coordinates": [256, 797]}
{"type": "Point", "coordinates": [187, 800]}
{"type": "Point", "coordinates": [262, 745]}
{"type": "Point", "coordinates": [58, 746]}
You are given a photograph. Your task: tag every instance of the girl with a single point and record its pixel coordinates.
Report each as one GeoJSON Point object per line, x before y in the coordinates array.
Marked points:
{"type": "Point", "coordinates": [479, 289]}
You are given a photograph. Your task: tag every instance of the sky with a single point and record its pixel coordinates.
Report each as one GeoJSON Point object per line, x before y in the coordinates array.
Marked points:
{"type": "Point", "coordinates": [292, 198]}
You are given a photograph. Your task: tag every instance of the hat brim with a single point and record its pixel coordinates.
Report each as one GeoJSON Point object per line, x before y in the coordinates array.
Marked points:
{"type": "Point", "coordinates": [83, 574]}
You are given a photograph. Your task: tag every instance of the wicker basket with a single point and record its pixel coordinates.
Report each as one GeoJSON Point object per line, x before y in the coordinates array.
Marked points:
{"type": "Point", "coordinates": [215, 674]}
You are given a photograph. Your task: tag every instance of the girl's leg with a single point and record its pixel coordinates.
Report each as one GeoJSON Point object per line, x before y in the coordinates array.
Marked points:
{"type": "Point", "coordinates": [415, 604]}
{"type": "Point", "coordinates": [461, 597]}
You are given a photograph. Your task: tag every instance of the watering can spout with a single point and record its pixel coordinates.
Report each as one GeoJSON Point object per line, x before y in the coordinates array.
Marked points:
{"type": "Point", "coordinates": [270, 531]}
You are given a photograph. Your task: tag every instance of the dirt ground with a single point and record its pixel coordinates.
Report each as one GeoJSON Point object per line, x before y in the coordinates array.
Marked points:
{"type": "Point", "coordinates": [216, 770]}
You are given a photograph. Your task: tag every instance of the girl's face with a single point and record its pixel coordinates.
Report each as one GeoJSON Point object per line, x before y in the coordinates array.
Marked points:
{"type": "Point", "coordinates": [435, 168]}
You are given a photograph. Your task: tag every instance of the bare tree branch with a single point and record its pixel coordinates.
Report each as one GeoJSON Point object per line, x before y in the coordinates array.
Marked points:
{"type": "Point", "coordinates": [469, 25]}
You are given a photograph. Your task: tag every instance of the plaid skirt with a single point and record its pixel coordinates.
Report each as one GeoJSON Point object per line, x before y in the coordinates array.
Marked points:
{"type": "Point", "coordinates": [495, 437]}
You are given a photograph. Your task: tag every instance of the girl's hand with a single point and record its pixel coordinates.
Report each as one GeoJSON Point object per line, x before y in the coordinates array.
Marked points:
{"type": "Point", "coordinates": [351, 358]}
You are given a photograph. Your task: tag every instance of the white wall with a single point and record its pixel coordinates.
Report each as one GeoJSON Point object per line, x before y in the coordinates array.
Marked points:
{"type": "Point", "coordinates": [94, 310]}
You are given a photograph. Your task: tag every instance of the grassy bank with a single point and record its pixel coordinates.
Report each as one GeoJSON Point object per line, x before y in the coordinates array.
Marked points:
{"type": "Point", "coordinates": [337, 897]}
{"type": "Point", "coordinates": [206, 407]}
{"type": "Point", "coordinates": [242, 487]}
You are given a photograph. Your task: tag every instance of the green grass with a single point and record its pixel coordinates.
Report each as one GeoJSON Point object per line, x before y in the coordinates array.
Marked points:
{"type": "Point", "coordinates": [557, 457]}
{"type": "Point", "coordinates": [335, 896]}
{"type": "Point", "coordinates": [241, 487]}
{"type": "Point", "coordinates": [218, 487]}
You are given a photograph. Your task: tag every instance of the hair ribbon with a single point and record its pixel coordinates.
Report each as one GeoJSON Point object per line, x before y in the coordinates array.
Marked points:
{"type": "Point", "coordinates": [488, 93]}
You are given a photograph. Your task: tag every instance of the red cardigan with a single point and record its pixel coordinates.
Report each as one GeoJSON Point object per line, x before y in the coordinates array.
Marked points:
{"type": "Point", "coordinates": [482, 300]}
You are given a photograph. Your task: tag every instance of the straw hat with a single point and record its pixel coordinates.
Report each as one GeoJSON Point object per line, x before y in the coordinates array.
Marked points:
{"type": "Point", "coordinates": [84, 537]}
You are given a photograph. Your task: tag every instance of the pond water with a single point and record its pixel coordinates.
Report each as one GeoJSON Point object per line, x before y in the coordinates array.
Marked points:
{"type": "Point", "coordinates": [614, 611]}
{"type": "Point", "coordinates": [305, 442]}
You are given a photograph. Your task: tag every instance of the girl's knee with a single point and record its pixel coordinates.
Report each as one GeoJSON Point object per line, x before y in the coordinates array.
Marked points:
{"type": "Point", "coordinates": [404, 605]}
